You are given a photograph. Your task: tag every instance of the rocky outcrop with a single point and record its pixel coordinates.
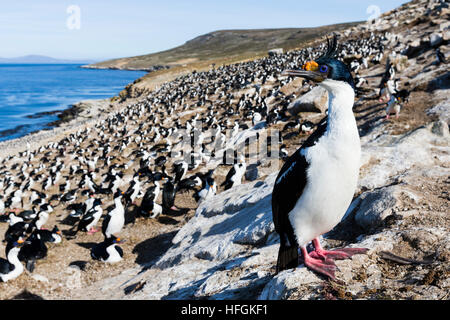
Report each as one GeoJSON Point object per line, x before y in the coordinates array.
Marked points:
{"type": "Point", "coordinates": [316, 100]}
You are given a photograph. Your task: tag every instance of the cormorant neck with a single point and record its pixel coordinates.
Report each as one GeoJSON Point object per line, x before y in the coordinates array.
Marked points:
{"type": "Point", "coordinates": [341, 97]}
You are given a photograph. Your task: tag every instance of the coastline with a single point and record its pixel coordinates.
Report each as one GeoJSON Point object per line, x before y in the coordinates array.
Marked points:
{"type": "Point", "coordinates": [85, 113]}
{"type": "Point", "coordinates": [150, 69]}
{"type": "Point", "coordinates": [63, 121]}
{"type": "Point", "coordinates": [79, 116]}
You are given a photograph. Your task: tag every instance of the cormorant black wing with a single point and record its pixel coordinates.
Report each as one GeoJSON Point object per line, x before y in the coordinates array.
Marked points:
{"type": "Point", "coordinates": [291, 181]}
{"type": "Point", "coordinates": [119, 250]}
{"type": "Point", "coordinates": [231, 173]}
{"type": "Point", "coordinates": [5, 266]}
{"type": "Point", "coordinates": [288, 188]}
{"type": "Point", "coordinates": [105, 223]}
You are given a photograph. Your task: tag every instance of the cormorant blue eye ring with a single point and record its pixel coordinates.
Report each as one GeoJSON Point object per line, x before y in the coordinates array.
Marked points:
{"type": "Point", "coordinates": [323, 68]}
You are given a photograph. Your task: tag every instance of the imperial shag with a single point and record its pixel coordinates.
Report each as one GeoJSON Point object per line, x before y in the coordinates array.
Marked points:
{"type": "Point", "coordinates": [316, 184]}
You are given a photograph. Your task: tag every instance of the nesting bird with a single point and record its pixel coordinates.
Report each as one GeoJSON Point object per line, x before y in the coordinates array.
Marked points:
{"type": "Point", "coordinates": [108, 251]}
{"type": "Point", "coordinates": [11, 268]}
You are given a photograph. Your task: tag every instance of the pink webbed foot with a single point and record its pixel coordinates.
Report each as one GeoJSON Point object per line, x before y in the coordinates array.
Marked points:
{"type": "Point", "coordinates": [92, 231]}
{"type": "Point", "coordinates": [324, 267]}
{"type": "Point", "coordinates": [337, 254]}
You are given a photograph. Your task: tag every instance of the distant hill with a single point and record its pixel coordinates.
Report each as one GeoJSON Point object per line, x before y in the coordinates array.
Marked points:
{"type": "Point", "coordinates": [41, 59]}
{"type": "Point", "coordinates": [224, 44]}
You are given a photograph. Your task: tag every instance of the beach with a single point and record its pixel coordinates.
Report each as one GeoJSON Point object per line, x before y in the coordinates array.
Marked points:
{"type": "Point", "coordinates": [93, 110]}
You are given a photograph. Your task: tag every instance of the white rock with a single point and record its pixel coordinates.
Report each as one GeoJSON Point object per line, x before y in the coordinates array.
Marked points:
{"type": "Point", "coordinates": [375, 206]}
{"type": "Point", "coordinates": [39, 277]}
{"type": "Point", "coordinates": [440, 128]}
{"type": "Point", "coordinates": [315, 100]}
{"type": "Point", "coordinates": [286, 281]}
{"type": "Point", "coordinates": [436, 39]}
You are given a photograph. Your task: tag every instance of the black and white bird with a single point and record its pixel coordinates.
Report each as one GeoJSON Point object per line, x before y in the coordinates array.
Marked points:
{"type": "Point", "coordinates": [209, 189]}
{"type": "Point", "coordinates": [440, 58]}
{"type": "Point", "coordinates": [180, 169]}
{"type": "Point", "coordinates": [283, 152]}
{"type": "Point", "coordinates": [307, 127]}
{"type": "Point", "coordinates": [149, 208]}
{"type": "Point", "coordinates": [11, 268]}
{"type": "Point", "coordinates": [169, 192]}
{"type": "Point", "coordinates": [69, 196]}
{"type": "Point", "coordinates": [41, 218]}
{"type": "Point", "coordinates": [115, 219]}
{"type": "Point", "coordinates": [393, 107]}
{"type": "Point", "coordinates": [108, 250]}
{"type": "Point", "coordinates": [33, 249]}
{"type": "Point", "coordinates": [2, 206]}
{"type": "Point", "coordinates": [133, 190]}
{"type": "Point", "coordinates": [28, 215]}
{"type": "Point", "coordinates": [88, 203]}
{"type": "Point", "coordinates": [52, 236]}
{"type": "Point", "coordinates": [17, 228]}
{"type": "Point", "coordinates": [234, 175]}
{"type": "Point", "coordinates": [316, 184]}
{"type": "Point", "coordinates": [90, 219]}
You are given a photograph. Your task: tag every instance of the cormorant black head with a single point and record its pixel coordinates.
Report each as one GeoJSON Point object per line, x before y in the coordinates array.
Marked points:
{"type": "Point", "coordinates": [46, 207]}
{"type": "Point", "coordinates": [56, 230]}
{"type": "Point", "coordinates": [119, 193]}
{"type": "Point", "coordinates": [13, 243]}
{"type": "Point", "coordinates": [113, 239]}
{"type": "Point", "coordinates": [325, 67]}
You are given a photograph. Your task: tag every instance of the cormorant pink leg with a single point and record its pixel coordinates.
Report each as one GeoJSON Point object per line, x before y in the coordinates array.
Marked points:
{"type": "Point", "coordinates": [337, 254]}
{"type": "Point", "coordinates": [327, 268]}
{"type": "Point", "coordinates": [92, 231]}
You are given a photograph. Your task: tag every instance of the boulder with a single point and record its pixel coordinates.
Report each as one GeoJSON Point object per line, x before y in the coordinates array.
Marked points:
{"type": "Point", "coordinates": [315, 100]}
{"type": "Point", "coordinates": [446, 35]}
{"type": "Point", "coordinates": [440, 128]}
{"type": "Point", "coordinates": [275, 51]}
{"type": "Point", "coordinates": [436, 39]}
{"type": "Point", "coordinates": [375, 206]}
{"type": "Point", "coordinates": [287, 281]}
{"type": "Point", "coordinates": [252, 172]}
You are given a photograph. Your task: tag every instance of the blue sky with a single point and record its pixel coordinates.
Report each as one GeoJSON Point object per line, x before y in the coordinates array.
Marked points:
{"type": "Point", "coordinates": [112, 28]}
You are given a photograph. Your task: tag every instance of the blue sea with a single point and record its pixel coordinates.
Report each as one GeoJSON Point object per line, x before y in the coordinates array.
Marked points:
{"type": "Point", "coordinates": [27, 90]}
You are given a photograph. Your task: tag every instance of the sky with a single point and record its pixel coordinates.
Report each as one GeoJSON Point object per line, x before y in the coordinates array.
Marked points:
{"type": "Point", "coordinates": [106, 29]}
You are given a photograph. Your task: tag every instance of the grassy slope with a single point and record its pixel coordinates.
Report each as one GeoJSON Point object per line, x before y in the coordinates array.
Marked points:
{"type": "Point", "coordinates": [229, 45]}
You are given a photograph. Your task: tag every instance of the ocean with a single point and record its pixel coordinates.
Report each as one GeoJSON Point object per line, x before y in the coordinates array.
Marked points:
{"type": "Point", "coordinates": [28, 90]}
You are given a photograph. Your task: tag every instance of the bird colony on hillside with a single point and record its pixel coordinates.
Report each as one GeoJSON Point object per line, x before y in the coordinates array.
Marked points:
{"type": "Point", "coordinates": [171, 141]}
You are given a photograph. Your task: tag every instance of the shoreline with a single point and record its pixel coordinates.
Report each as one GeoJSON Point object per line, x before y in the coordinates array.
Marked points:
{"type": "Point", "coordinates": [150, 69]}
{"type": "Point", "coordinates": [63, 116]}
{"type": "Point", "coordinates": [80, 115]}
{"type": "Point", "coordinates": [51, 124]}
